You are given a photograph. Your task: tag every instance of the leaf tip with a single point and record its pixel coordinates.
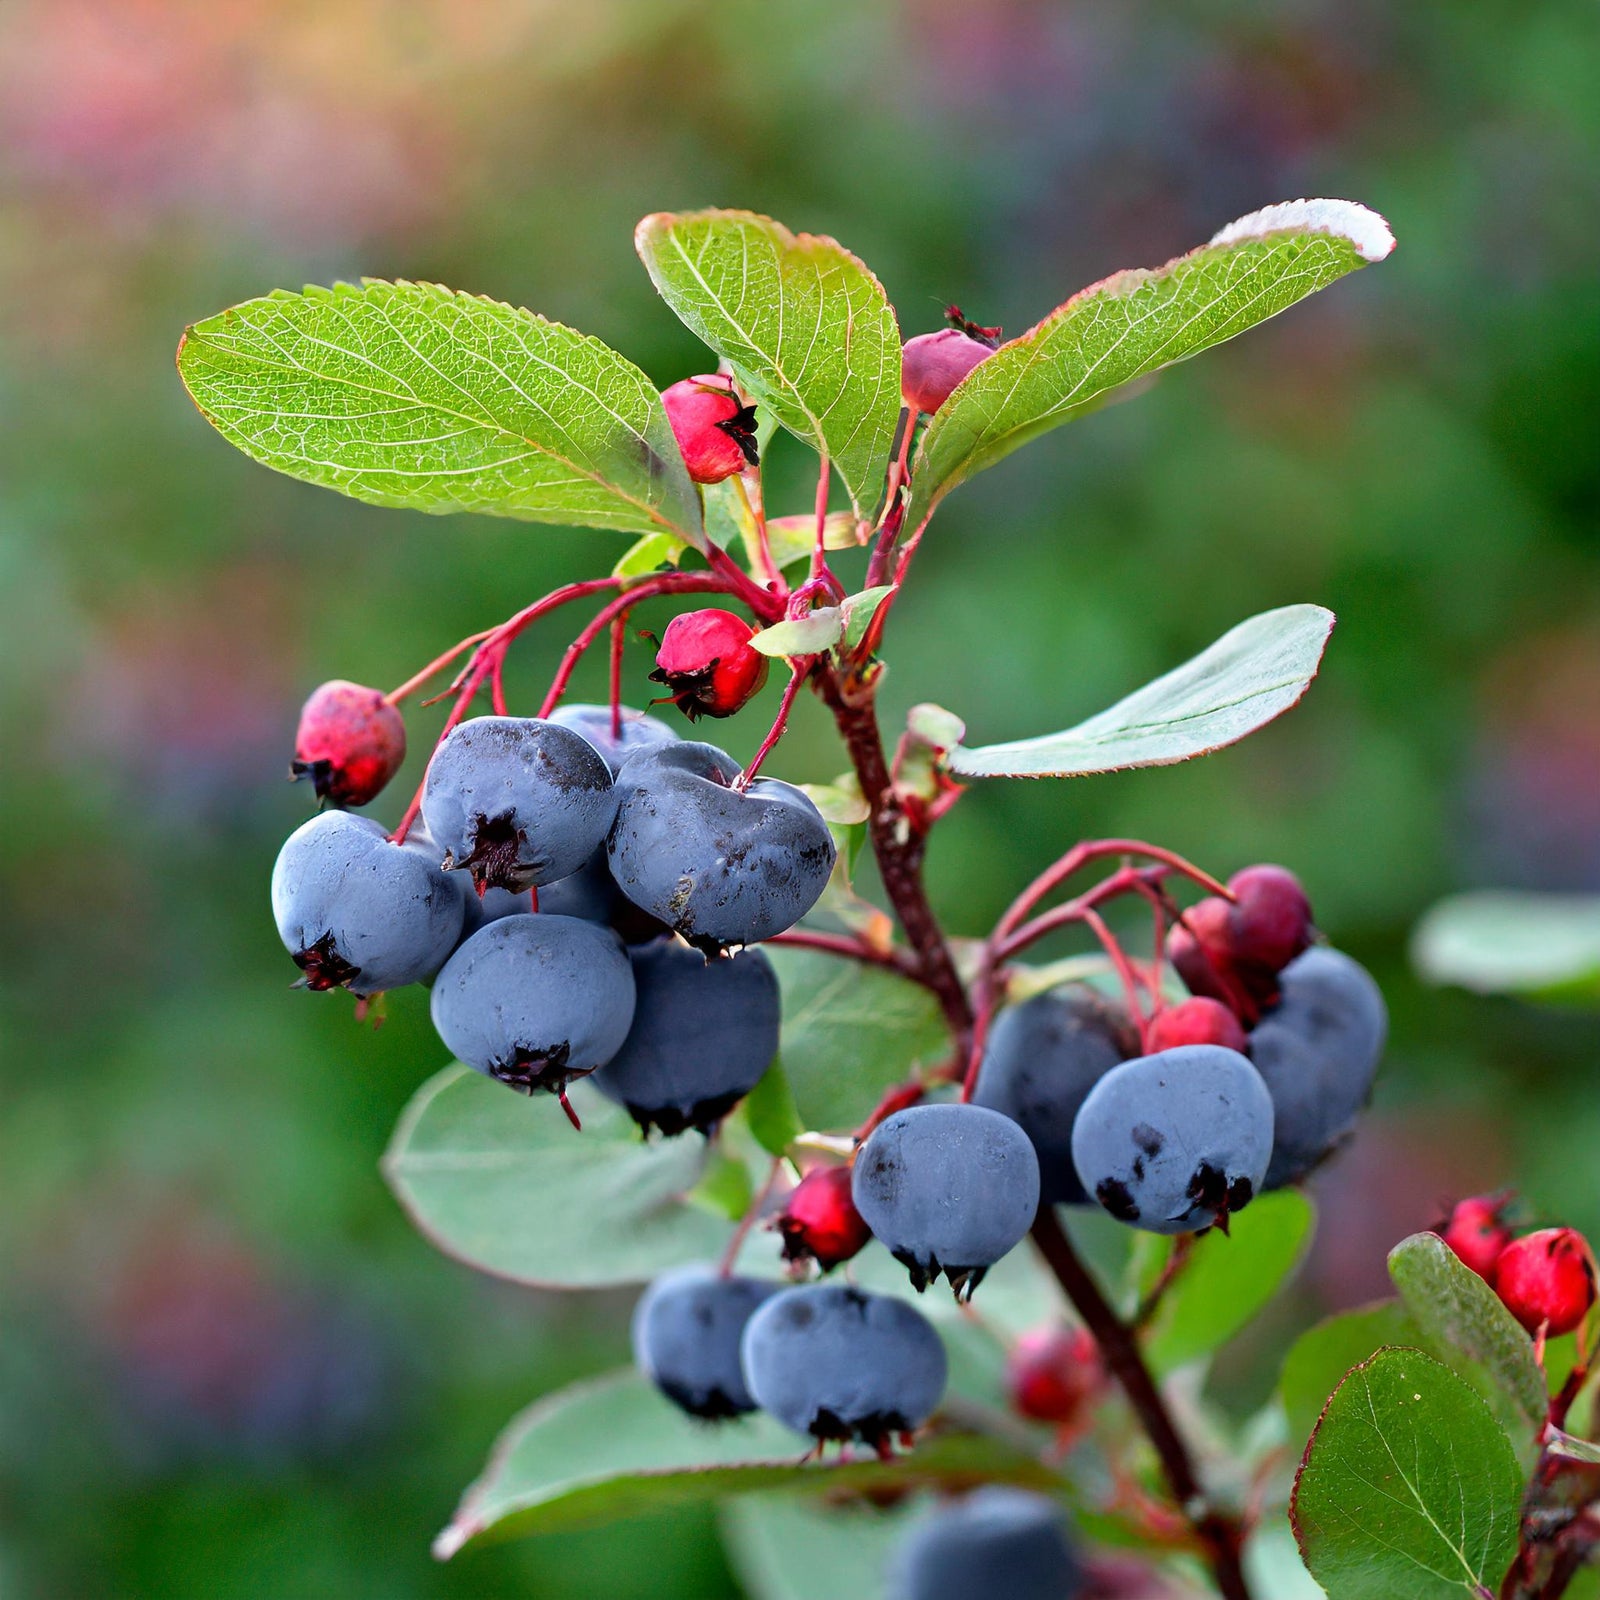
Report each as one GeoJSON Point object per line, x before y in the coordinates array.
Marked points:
{"type": "Point", "coordinates": [1367, 232]}
{"type": "Point", "coordinates": [451, 1541]}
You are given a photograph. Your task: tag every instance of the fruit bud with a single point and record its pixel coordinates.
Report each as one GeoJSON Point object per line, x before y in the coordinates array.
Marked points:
{"type": "Point", "coordinates": [714, 430]}
{"type": "Point", "coordinates": [820, 1222]}
{"type": "Point", "coordinates": [350, 743]}
{"type": "Point", "coordinates": [1546, 1280]}
{"type": "Point", "coordinates": [1476, 1231]}
{"type": "Point", "coordinates": [932, 364]}
{"type": "Point", "coordinates": [1052, 1372]}
{"type": "Point", "coordinates": [706, 662]}
{"type": "Point", "coordinates": [1197, 1021]}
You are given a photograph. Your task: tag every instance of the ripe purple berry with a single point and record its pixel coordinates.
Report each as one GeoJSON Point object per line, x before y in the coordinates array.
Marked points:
{"type": "Point", "coordinates": [686, 1332]}
{"type": "Point", "coordinates": [715, 431]}
{"type": "Point", "coordinates": [350, 743]}
{"type": "Point", "coordinates": [635, 730]}
{"type": "Point", "coordinates": [997, 1540]}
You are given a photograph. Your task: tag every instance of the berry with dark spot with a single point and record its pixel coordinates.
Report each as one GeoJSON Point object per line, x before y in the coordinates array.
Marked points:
{"type": "Point", "coordinates": [707, 664]}
{"type": "Point", "coordinates": [1177, 1141]}
{"type": "Point", "coordinates": [839, 1363]}
{"type": "Point", "coordinates": [1476, 1230]}
{"type": "Point", "coordinates": [715, 430]}
{"type": "Point", "coordinates": [1010, 1543]}
{"type": "Point", "coordinates": [1197, 1021]}
{"type": "Point", "coordinates": [820, 1223]}
{"type": "Point", "coordinates": [703, 1034]}
{"type": "Point", "coordinates": [932, 364]}
{"type": "Point", "coordinates": [350, 743]}
{"type": "Point", "coordinates": [1546, 1280]}
{"type": "Point", "coordinates": [359, 912]}
{"type": "Point", "coordinates": [635, 730]}
{"type": "Point", "coordinates": [686, 1331]}
{"type": "Point", "coordinates": [1053, 1372]}
{"type": "Point", "coordinates": [948, 1189]}
{"type": "Point", "coordinates": [517, 801]}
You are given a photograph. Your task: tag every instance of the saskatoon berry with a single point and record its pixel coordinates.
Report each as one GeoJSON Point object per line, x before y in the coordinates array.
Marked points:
{"type": "Point", "coordinates": [706, 661]}
{"type": "Point", "coordinates": [1233, 951]}
{"type": "Point", "coordinates": [1197, 1021]}
{"type": "Point", "coordinates": [714, 430]}
{"type": "Point", "coordinates": [1476, 1231]}
{"type": "Point", "coordinates": [1318, 1050]}
{"type": "Point", "coordinates": [718, 865]}
{"type": "Point", "coordinates": [1546, 1280]}
{"type": "Point", "coordinates": [517, 800]}
{"type": "Point", "coordinates": [589, 893]}
{"type": "Point", "coordinates": [820, 1222]}
{"type": "Point", "coordinates": [948, 1188]}
{"type": "Point", "coordinates": [358, 912]}
{"type": "Point", "coordinates": [350, 743]}
{"type": "Point", "coordinates": [932, 364]}
{"type": "Point", "coordinates": [997, 1540]}
{"type": "Point", "coordinates": [637, 730]}
{"type": "Point", "coordinates": [1177, 1141]}
{"type": "Point", "coordinates": [535, 1001]}
{"type": "Point", "coordinates": [686, 1332]}
{"type": "Point", "coordinates": [703, 1034]}
{"type": "Point", "coordinates": [1043, 1058]}
{"type": "Point", "coordinates": [839, 1363]}
{"type": "Point", "coordinates": [1052, 1372]}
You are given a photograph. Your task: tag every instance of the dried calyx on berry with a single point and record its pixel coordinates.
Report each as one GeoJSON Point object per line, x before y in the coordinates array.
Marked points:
{"type": "Point", "coordinates": [715, 429]}
{"type": "Point", "coordinates": [820, 1222]}
{"type": "Point", "coordinates": [706, 662]}
{"type": "Point", "coordinates": [350, 743]}
{"type": "Point", "coordinates": [932, 364]}
{"type": "Point", "coordinates": [1546, 1280]}
{"type": "Point", "coordinates": [1476, 1230]}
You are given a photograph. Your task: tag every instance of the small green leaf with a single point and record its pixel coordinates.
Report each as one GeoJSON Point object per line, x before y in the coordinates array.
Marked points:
{"type": "Point", "coordinates": [802, 636]}
{"type": "Point", "coordinates": [1322, 1355]}
{"type": "Point", "coordinates": [1466, 1325]}
{"type": "Point", "coordinates": [792, 539]}
{"type": "Point", "coordinates": [507, 1185]}
{"type": "Point", "coordinates": [1409, 1487]}
{"type": "Point", "coordinates": [1135, 323]}
{"type": "Point", "coordinates": [1253, 673]}
{"type": "Point", "coordinates": [1498, 942]}
{"type": "Point", "coordinates": [805, 326]}
{"type": "Point", "coordinates": [409, 394]}
{"type": "Point", "coordinates": [770, 1112]}
{"type": "Point", "coordinates": [845, 807]}
{"type": "Point", "coordinates": [1574, 1449]}
{"type": "Point", "coordinates": [1226, 1280]}
{"type": "Point", "coordinates": [849, 1032]}
{"type": "Point", "coordinates": [859, 611]}
{"type": "Point", "coordinates": [935, 726]}
{"type": "Point", "coordinates": [612, 1447]}
{"type": "Point", "coordinates": [646, 555]}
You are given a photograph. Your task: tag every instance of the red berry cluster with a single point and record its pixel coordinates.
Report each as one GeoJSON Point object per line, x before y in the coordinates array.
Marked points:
{"type": "Point", "coordinates": [1545, 1279]}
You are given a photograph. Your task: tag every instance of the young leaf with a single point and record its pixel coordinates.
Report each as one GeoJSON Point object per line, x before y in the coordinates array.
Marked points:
{"type": "Point", "coordinates": [613, 1447]}
{"type": "Point", "coordinates": [409, 394]}
{"type": "Point", "coordinates": [1135, 323]}
{"type": "Point", "coordinates": [860, 609]}
{"type": "Point", "coordinates": [801, 636]}
{"type": "Point", "coordinates": [1322, 1355]}
{"type": "Point", "coordinates": [646, 554]}
{"type": "Point", "coordinates": [805, 326]}
{"type": "Point", "coordinates": [769, 1111]}
{"type": "Point", "coordinates": [1408, 1487]}
{"type": "Point", "coordinates": [1253, 673]}
{"type": "Point", "coordinates": [1500, 942]}
{"type": "Point", "coordinates": [792, 539]}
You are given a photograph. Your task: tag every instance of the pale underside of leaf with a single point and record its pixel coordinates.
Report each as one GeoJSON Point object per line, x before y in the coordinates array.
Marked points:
{"type": "Point", "coordinates": [413, 395]}
{"type": "Point", "coordinates": [1252, 674]}
{"type": "Point", "coordinates": [1498, 941]}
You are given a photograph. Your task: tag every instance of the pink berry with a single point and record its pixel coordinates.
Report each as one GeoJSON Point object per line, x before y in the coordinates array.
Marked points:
{"type": "Point", "coordinates": [1546, 1280]}
{"type": "Point", "coordinates": [1052, 1372]}
{"type": "Point", "coordinates": [1197, 1021]}
{"type": "Point", "coordinates": [820, 1222]}
{"type": "Point", "coordinates": [350, 743]}
{"type": "Point", "coordinates": [1233, 951]}
{"type": "Point", "coordinates": [932, 364]}
{"type": "Point", "coordinates": [1270, 923]}
{"type": "Point", "coordinates": [706, 662]}
{"type": "Point", "coordinates": [1476, 1232]}
{"type": "Point", "coordinates": [715, 431]}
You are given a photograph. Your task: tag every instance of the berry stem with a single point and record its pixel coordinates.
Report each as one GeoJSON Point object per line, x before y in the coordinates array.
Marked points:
{"type": "Point", "coordinates": [752, 1214]}
{"type": "Point", "coordinates": [893, 511]}
{"type": "Point", "coordinates": [619, 637]}
{"type": "Point", "coordinates": [819, 548]}
{"type": "Point", "coordinates": [438, 664]}
{"type": "Point", "coordinates": [799, 671]}
{"type": "Point", "coordinates": [755, 508]}
{"type": "Point", "coordinates": [840, 944]}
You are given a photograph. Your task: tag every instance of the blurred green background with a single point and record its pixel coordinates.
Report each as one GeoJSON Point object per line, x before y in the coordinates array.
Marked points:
{"type": "Point", "coordinates": [228, 1367]}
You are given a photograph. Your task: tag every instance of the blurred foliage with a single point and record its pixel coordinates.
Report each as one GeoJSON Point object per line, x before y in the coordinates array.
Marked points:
{"type": "Point", "coordinates": [230, 1368]}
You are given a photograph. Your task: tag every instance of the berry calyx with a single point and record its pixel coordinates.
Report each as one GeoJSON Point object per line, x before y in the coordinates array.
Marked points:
{"type": "Point", "coordinates": [1546, 1280]}
{"type": "Point", "coordinates": [715, 430]}
{"type": "Point", "coordinates": [706, 662]}
{"type": "Point", "coordinates": [1476, 1231]}
{"type": "Point", "coordinates": [932, 364]}
{"type": "Point", "coordinates": [1051, 1372]}
{"type": "Point", "coordinates": [350, 743]}
{"type": "Point", "coordinates": [820, 1222]}
{"type": "Point", "coordinates": [1197, 1021]}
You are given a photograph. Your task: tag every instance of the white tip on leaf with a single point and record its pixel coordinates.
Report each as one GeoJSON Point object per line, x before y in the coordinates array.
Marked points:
{"type": "Point", "coordinates": [1365, 229]}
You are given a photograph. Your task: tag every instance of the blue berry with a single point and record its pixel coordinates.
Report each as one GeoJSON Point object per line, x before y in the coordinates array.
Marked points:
{"type": "Point", "coordinates": [639, 730]}
{"type": "Point", "coordinates": [703, 1034]}
{"type": "Point", "coordinates": [720, 866]}
{"type": "Point", "coordinates": [948, 1188]}
{"type": "Point", "coordinates": [838, 1363]}
{"type": "Point", "coordinates": [1007, 1542]}
{"type": "Point", "coordinates": [358, 912]}
{"type": "Point", "coordinates": [1318, 1050]}
{"type": "Point", "coordinates": [686, 1332]}
{"type": "Point", "coordinates": [535, 1001]}
{"type": "Point", "coordinates": [517, 801]}
{"type": "Point", "coordinates": [1176, 1141]}
{"type": "Point", "coordinates": [1043, 1058]}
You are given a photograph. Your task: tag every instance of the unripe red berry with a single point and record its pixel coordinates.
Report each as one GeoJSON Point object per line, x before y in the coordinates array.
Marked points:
{"type": "Point", "coordinates": [706, 662]}
{"type": "Point", "coordinates": [1476, 1232]}
{"type": "Point", "coordinates": [714, 430]}
{"type": "Point", "coordinates": [1233, 951]}
{"type": "Point", "coordinates": [932, 364]}
{"type": "Point", "coordinates": [1052, 1372]}
{"type": "Point", "coordinates": [1546, 1280]}
{"type": "Point", "coordinates": [820, 1222]}
{"type": "Point", "coordinates": [350, 743]}
{"type": "Point", "coordinates": [1197, 1021]}
{"type": "Point", "coordinates": [1270, 922]}
{"type": "Point", "coordinates": [1198, 947]}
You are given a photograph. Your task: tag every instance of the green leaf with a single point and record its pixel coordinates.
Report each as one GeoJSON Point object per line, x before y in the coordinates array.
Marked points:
{"type": "Point", "coordinates": [860, 609]}
{"type": "Point", "coordinates": [1409, 1487]}
{"type": "Point", "coordinates": [1253, 673]}
{"type": "Point", "coordinates": [1500, 942]}
{"type": "Point", "coordinates": [646, 555]}
{"type": "Point", "coordinates": [801, 636]}
{"type": "Point", "coordinates": [507, 1185]}
{"type": "Point", "coordinates": [805, 326]}
{"type": "Point", "coordinates": [1226, 1280]}
{"type": "Point", "coordinates": [1322, 1355]}
{"type": "Point", "coordinates": [613, 1447]}
{"type": "Point", "coordinates": [841, 807]}
{"type": "Point", "coordinates": [1135, 323]}
{"type": "Point", "coordinates": [770, 1112]}
{"type": "Point", "coordinates": [795, 1547]}
{"type": "Point", "coordinates": [792, 539]}
{"type": "Point", "coordinates": [724, 1188]}
{"type": "Point", "coordinates": [1466, 1325]}
{"type": "Point", "coordinates": [849, 1031]}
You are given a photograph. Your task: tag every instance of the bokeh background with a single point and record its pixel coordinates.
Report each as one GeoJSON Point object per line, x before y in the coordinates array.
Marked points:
{"type": "Point", "coordinates": [227, 1365]}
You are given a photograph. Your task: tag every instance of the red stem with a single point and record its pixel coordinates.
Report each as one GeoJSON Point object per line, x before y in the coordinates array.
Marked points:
{"type": "Point", "coordinates": [798, 672]}
{"type": "Point", "coordinates": [841, 944]}
{"type": "Point", "coordinates": [619, 635]}
{"type": "Point", "coordinates": [438, 664]}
